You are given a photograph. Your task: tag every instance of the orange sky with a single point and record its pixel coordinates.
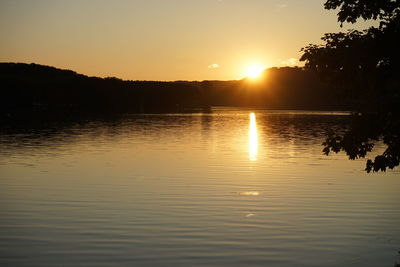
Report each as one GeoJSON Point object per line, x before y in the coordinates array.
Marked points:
{"type": "Point", "coordinates": [162, 39]}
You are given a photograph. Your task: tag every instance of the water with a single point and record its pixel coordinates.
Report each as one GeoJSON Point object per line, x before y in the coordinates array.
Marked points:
{"type": "Point", "coordinates": [217, 189]}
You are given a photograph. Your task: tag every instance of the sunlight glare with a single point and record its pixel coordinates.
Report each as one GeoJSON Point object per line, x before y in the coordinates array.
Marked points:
{"type": "Point", "coordinates": [254, 71]}
{"type": "Point", "coordinates": [249, 193]}
{"type": "Point", "coordinates": [253, 137]}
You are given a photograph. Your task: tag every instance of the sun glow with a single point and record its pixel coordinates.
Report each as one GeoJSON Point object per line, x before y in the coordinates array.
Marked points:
{"type": "Point", "coordinates": [254, 71]}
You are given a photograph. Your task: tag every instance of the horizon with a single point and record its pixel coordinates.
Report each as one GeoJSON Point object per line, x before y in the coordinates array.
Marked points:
{"type": "Point", "coordinates": [256, 77]}
{"type": "Point", "coordinates": [153, 41]}
{"type": "Point", "coordinates": [187, 133]}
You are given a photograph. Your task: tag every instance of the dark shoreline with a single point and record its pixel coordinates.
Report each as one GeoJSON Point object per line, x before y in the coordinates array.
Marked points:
{"type": "Point", "coordinates": [32, 88]}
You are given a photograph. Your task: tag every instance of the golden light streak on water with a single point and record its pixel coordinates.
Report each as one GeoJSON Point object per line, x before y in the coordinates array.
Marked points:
{"type": "Point", "coordinates": [249, 193]}
{"type": "Point", "coordinates": [253, 137]}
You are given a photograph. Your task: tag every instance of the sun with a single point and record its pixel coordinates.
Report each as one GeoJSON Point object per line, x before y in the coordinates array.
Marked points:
{"type": "Point", "coordinates": [254, 71]}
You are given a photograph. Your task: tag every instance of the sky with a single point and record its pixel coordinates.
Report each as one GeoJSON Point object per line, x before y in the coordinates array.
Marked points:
{"type": "Point", "coordinates": [162, 39]}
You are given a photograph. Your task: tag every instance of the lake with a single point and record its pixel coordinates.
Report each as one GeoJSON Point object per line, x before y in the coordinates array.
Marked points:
{"type": "Point", "coordinates": [232, 187]}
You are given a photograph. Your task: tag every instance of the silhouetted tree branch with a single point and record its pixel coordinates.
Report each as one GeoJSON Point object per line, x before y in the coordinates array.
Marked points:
{"type": "Point", "coordinates": [351, 10]}
{"type": "Point", "coordinates": [363, 67]}
{"type": "Point", "coordinates": [365, 131]}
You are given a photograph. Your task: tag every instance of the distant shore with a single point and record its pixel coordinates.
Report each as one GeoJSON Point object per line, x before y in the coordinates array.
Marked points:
{"type": "Point", "coordinates": [48, 91]}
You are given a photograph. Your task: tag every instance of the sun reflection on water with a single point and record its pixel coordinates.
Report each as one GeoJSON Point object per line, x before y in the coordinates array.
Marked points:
{"type": "Point", "coordinates": [249, 193]}
{"type": "Point", "coordinates": [253, 137]}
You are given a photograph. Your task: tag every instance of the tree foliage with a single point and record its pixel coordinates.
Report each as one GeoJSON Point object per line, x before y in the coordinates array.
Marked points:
{"type": "Point", "coordinates": [351, 10]}
{"type": "Point", "coordinates": [363, 66]}
{"type": "Point", "coordinates": [365, 131]}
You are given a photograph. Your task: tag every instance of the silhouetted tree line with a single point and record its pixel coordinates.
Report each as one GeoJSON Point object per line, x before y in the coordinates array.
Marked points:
{"type": "Point", "coordinates": [35, 87]}
{"type": "Point", "coordinates": [32, 87]}
{"type": "Point", "coordinates": [364, 66]}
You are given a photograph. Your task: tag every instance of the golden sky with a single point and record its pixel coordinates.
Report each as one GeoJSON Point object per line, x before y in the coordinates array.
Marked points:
{"type": "Point", "coordinates": [162, 39]}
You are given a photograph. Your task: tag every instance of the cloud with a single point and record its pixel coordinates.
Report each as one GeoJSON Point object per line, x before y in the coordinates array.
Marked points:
{"type": "Point", "coordinates": [213, 66]}
{"type": "Point", "coordinates": [290, 62]}
{"type": "Point", "coordinates": [282, 5]}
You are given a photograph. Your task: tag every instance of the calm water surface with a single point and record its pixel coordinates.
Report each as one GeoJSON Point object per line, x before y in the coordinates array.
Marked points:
{"type": "Point", "coordinates": [217, 189]}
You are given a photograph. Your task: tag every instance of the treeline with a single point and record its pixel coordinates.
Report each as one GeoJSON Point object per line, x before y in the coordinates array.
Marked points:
{"type": "Point", "coordinates": [32, 87]}
{"type": "Point", "coordinates": [277, 88]}
{"type": "Point", "coordinates": [37, 87]}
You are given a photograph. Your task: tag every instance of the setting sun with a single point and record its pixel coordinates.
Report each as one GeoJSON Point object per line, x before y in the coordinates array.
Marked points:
{"type": "Point", "coordinates": [254, 71]}
{"type": "Point", "coordinates": [214, 132]}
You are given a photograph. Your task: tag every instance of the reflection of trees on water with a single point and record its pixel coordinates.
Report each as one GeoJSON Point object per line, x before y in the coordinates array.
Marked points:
{"type": "Point", "coordinates": [56, 135]}
{"type": "Point", "coordinates": [303, 129]}
{"type": "Point", "coordinates": [355, 135]}
{"type": "Point", "coordinates": [298, 129]}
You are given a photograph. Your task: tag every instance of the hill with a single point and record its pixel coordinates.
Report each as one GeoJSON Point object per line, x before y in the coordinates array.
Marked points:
{"type": "Point", "coordinates": [38, 88]}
